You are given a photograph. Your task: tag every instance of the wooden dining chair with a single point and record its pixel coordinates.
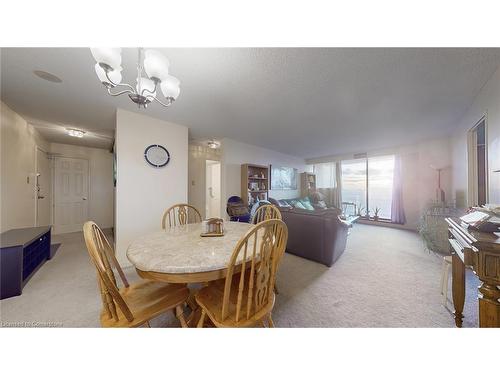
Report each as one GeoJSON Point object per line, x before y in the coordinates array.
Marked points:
{"type": "Point", "coordinates": [180, 214]}
{"type": "Point", "coordinates": [246, 297]}
{"type": "Point", "coordinates": [132, 305]}
{"type": "Point", "coordinates": [266, 212]}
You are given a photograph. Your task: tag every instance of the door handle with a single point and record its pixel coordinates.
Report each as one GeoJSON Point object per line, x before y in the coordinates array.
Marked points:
{"type": "Point", "coordinates": [211, 192]}
{"type": "Point", "coordinates": [41, 197]}
{"type": "Point", "coordinates": [84, 198]}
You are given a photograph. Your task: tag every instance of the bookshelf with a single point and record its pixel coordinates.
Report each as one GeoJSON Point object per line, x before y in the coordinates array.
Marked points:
{"type": "Point", "coordinates": [307, 183]}
{"type": "Point", "coordinates": [254, 183]}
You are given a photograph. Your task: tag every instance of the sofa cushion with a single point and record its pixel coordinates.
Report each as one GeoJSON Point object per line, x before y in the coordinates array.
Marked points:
{"type": "Point", "coordinates": [317, 196]}
{"type": "Point", "coordinates": [320, 205]}
{"type": "Point", "coordinates": [307, 204]}
{"type": "Point", "coordinates": [298, 204]}
{"type": "Point", "coordinates": [283, 203]}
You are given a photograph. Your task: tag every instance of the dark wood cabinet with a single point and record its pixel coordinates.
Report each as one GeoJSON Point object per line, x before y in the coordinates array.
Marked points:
{"type": "Point", "coordinates": [23, 251]}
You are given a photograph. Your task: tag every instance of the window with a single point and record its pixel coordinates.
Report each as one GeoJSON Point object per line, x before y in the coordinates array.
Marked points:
{"type": "Point", "coordinates": [354, 182]}
{"type": "Point", "coordinates": [380, 181]}
{"type": "Point", "coordinates": [368, 182]}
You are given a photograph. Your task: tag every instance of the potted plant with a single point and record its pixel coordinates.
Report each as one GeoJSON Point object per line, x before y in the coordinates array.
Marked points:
{"type": "Point", "coordinates": [375, 213]}
{"type": "Point", "coordinates": [360, 210]}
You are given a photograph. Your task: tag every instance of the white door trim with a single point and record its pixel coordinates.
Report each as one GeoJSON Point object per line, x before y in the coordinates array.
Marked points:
{"type": "Point", "coordinates": [472, 195]}
{"type": "Point", "coordinates": [38, 148]}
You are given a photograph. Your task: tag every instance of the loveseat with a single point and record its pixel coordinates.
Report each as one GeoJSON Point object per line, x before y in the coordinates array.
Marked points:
{"type": "Point", "coordinates": [319, 234]}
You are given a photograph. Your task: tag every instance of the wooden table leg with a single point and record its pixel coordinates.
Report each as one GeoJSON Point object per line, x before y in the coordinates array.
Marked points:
{"type": "Point", "coordinates": [193, 318]}
{"type": "Point", "coordinates": [458, 288]}
{"type": "Point", "coordinates": [489, 307]}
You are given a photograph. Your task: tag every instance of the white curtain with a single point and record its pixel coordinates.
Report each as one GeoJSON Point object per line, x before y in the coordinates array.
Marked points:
{"type": "Point", "coordinates": [328, 182]}
{"type": "Point", "coordinates": [397, 209]}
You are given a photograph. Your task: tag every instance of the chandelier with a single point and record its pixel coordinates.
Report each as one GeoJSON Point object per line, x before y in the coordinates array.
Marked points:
{"type": "Point", "coordinates": [108, 69]}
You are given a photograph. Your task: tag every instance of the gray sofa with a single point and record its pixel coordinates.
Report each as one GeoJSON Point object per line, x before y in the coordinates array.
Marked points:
{"type": "Point", "coordinates": [319, 235]}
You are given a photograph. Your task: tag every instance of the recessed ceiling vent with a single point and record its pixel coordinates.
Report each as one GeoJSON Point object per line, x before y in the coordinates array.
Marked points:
{"type": "Point", "coordinates": [47, 76]}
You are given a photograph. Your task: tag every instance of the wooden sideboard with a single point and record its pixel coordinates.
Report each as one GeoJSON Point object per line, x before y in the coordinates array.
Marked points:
{"type": "Point", "coordinates": [23, 251]}
{"type": "Point", "coordinates": [480, 252]}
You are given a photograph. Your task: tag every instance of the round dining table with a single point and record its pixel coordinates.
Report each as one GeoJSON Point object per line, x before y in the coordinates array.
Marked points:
{"type": "Point", "coordinates": [181, 255]}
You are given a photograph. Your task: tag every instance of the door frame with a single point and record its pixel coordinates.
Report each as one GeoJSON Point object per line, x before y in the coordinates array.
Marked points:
{"type": "Point", "coordinates": [89, 195]}
{"type": "Point", "coordinates": [472, 193]}
{"type": "Point", "coordinates": [51, 193]}
{"type": "Point", "coordinates": [210, 162]}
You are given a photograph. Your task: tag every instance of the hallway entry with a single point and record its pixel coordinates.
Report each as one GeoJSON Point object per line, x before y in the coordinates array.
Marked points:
{"type": "Point", "coordinates": [213, 188]}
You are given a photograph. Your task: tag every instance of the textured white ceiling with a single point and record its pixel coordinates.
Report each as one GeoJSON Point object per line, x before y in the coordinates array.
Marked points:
{"type": "Point", "coordinates": [304, 102]}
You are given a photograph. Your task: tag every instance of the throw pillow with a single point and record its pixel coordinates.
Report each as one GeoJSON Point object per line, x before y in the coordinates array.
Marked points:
{"type": "Point", "coordinates": [307, 205]}
{"type": "Point", "coordinates": [317, 196]}
{"type": "Point", "coordinates": [321, 205]}
{"type": "Point", "coordinates": [298, 204]}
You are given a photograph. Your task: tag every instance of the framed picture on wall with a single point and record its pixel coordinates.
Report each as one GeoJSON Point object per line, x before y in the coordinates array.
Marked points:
{"type": "Point", "coordinates": [283, 178]}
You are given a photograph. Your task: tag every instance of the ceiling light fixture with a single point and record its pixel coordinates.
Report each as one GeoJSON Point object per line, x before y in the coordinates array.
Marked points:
{"type": "Point", "coordinates": [213, 144]}
{"type": "Point", "coordinates": [108, 70]}
{"type": "Point", "coordinates": [75, 132]}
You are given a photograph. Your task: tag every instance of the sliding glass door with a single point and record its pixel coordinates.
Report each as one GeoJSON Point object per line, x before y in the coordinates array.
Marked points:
{"type": "Point", "coordinates": [368, 183]}
{"type": "Point", "coordinates": [380, 181]}
{"type": "Point", "coordinates": [354, 187]}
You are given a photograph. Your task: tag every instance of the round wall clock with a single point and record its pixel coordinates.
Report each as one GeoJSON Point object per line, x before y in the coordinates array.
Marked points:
{"type": "Point", "coordinates": [157, 156]}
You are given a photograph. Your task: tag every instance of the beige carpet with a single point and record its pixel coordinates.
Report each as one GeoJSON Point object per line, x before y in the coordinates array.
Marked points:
{"type": "Point", "coordinates": [384, 279]}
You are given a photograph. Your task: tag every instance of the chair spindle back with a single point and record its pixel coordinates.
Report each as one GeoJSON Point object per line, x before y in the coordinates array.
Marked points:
{"type": "Point", "coordinates": [180, 214]}
{"type": "Point", "coordinates": [102, 255]}
{"type": "Point", "coordinates": [258, 255]}
{"type": "Point", "coordinates": [266, 212]}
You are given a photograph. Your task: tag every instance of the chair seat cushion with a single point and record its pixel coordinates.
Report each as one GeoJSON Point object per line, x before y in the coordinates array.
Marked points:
{"type": "Point", "coordinates": [210, 299]}
{"type": "Point", "coordinates": [147, 300]}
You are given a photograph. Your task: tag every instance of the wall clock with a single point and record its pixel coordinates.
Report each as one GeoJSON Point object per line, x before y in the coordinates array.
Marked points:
{"type": "Point", "coordinates": [157, 156]}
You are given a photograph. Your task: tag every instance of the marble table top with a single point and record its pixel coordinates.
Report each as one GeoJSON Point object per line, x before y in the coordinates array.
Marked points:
{"type": "Point", "coordinates": [182, 250]}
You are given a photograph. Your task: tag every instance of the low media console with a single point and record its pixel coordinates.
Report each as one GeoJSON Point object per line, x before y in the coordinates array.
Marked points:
{"type": "Point", "coordinates": [23, 251]}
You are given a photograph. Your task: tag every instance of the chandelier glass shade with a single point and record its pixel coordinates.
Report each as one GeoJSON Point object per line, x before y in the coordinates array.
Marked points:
{"type": "Point", "coordinates": [108, 69]}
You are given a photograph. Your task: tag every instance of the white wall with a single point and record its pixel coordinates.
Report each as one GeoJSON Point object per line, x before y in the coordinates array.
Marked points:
{"type": "Point", "coordinates": [101, 179]}
{"type": "Point", "coordinates": [18, 145]}
{"type": "Point", "coordinates": [486, 102]}
{"type": "Point", "coordinates": [143, 192]}
{"type": "Point", "coordinates": [420, 180]}
{"type": "Point", "coordinates": [236, 153]}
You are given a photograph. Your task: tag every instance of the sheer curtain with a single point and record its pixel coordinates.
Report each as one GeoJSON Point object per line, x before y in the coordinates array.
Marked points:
{"type": "Point", "coordinates": [328, 182]}
{"type": "Point", "coordinates": [397, 210]}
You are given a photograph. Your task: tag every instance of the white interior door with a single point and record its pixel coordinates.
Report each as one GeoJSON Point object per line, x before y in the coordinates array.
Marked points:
{"type": "Point", "coordinates": [213, 186]}
{"type": "Point", "coordinates": [71, 194]}
{"type": "Point", "coordinates": [43, 188]}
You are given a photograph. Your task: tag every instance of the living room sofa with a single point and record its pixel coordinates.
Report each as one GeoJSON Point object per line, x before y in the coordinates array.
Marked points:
{"type": "Point", "coordinates": [319, 235]}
